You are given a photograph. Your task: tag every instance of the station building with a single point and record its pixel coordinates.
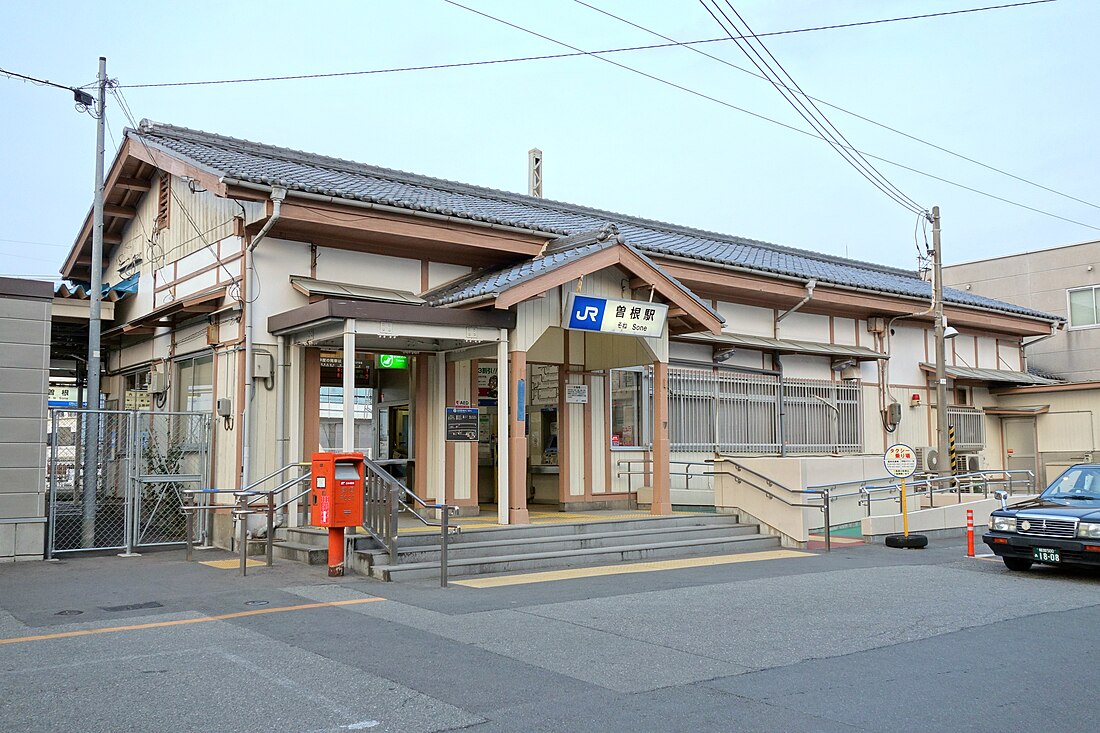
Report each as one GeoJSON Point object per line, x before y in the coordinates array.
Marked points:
{"type": "Point", "coordinates": [499, 350]}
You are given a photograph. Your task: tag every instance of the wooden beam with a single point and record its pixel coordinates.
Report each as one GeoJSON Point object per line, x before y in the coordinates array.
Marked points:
{"type": "Point", "coordinates": [124, 212]}
{"type": "Point", "coordinates": [133, 184]}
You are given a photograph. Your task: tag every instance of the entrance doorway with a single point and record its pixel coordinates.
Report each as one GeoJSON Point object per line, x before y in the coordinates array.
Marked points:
{"type": "Point", "coordinates": [1020, 445]}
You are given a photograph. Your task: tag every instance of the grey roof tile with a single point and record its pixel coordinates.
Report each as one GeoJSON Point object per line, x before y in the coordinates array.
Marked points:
{"type": "Point", "coordinates": [301, 171]}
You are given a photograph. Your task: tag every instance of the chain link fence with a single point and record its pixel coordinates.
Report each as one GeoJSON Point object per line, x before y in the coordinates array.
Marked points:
{"type": "Point", "coordinates": [132, 498]}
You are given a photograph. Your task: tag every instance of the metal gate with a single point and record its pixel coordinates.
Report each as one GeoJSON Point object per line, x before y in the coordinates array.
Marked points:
{"type": "Point", "coordinates": [133, 497]}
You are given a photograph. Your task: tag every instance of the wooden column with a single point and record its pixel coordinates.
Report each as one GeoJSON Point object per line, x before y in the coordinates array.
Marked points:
{"type": "Point", "coordinates": [662, 494]}
{"type": "Point", "coordinates": [517, 439]}
{"type": "Point", "coordinates": [563, 426]}
{"type": "Point", "coordinates": [311, 403]}
{"type": "Point", "coordinates": [421, 385]}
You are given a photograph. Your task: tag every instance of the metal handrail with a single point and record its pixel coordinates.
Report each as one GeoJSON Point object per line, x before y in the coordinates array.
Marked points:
{"type": "Point", "coordinates": [247, 498]}
{"type": "Point", "coordinates": [954, 485]}
{"type": "Point", "coordinates": [383, 502]}
{"type": "Point", "coordinates": [628, 462]}
{"type": "Point", "coordinates": [864, 482]}
{"type": "Point", "coordinates": [823, 493]}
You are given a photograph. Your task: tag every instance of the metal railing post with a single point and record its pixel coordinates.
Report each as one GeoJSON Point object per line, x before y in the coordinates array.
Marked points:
{"type": "Point", "coordinates": [132, 493]}
{"type": "Point", "coordinates": [243, 540]}
{"type": "Point", "coordinates": [828, 525]}
{"type": "Point", "coordinates": [189, 522]}
{"type": "Point", "coordinates": [443, 531]}
{"type": "Point", "coordinates": [270, 528]}
{"type": "Point", "coordinates": [391, 538]}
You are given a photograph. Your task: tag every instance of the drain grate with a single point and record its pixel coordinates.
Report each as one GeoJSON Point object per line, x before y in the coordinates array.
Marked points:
{"type": "Point", "coordinates": [69, 612]}
{"type": "Point", "coordinates": [132, 606]}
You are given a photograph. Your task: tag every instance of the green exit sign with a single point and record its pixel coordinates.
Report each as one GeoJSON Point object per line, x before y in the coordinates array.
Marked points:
{"type": "Point", "coordinates": [393, 361]}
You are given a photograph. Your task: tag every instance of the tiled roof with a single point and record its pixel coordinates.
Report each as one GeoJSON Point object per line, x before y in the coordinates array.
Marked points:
{"type": "Point", "coordinates": [242, 160]}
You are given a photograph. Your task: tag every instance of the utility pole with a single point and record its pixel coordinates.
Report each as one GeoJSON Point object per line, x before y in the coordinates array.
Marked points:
{"type": "Point", "coordinates": [91, 434]}
{"type": "Point", "coordinates": [942, 465]}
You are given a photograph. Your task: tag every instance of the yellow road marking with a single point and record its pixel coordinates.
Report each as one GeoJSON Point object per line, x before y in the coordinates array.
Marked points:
{"type": "Point", "coordinates": [638, 567]}
{"type": "Point", "coordinates": [181, 622]}
{"type": "Point", "coordinates": [230, 564]}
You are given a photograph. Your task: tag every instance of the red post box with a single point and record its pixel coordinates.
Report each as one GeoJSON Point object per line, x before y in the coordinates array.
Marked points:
{"type": "Point", "coordinates": [336, 500]}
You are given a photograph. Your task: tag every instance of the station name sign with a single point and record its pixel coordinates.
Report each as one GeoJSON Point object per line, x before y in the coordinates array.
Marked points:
{"type": "Point", "coordinates": [607, 315]}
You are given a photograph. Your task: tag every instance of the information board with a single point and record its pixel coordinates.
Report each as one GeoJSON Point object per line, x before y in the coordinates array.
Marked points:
{"type": "Point", "coordinates": [462, 424]}
{"type": "Point", "coordinates": [576, 394]}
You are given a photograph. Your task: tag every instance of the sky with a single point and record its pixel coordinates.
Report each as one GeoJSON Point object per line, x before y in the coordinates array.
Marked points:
{"type": "Point", "coordinates": [1008, 88]}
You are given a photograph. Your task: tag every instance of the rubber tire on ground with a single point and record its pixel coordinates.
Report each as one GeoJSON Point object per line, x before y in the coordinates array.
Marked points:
{"type": "Point", "coordinates": [912, 542]}
{"type": "Point", "coordinates": [1017, 563]}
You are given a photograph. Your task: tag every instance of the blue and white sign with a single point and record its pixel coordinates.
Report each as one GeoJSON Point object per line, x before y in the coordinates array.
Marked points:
{"type": "Point", "coordinates": [607, 315]}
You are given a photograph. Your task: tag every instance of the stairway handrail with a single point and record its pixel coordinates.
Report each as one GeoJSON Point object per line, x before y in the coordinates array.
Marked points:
{"type": "Point", "coordinates": [823, 493]}
{"type": "Point", "coordinates": [382, 525]}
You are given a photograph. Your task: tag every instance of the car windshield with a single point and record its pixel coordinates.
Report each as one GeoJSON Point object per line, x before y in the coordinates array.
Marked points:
{"type": "Point", "coordinates": [1079, 482]}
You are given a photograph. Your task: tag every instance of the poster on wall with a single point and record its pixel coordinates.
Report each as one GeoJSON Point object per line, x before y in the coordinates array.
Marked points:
{"type": "Point", "coordinates": [487, 385]}
{"type": "Point", "coordinates": [576, 394]}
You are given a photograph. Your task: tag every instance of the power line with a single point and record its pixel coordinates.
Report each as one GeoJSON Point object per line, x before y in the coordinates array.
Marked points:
{"type": "Point", "coordinates": [690, 47]}
{"type": "Point", "coordinates": [544, 57]}
{"type": "Point", "coordinates": [42, 244]}
{"type": "Point", "coordinates": [806, 109]}
{"type": "Point", "coordinates": [79, 96]}
{"type": "Point", "coordinates": [765, 118]}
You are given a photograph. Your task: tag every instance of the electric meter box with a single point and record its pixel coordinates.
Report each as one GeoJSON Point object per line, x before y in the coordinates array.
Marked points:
{"type": "Point", "coordinates": [336, 499]}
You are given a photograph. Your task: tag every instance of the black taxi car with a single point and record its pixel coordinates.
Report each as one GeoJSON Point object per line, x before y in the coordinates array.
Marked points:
{"type": "Point", "coordinates": [1061, 526]}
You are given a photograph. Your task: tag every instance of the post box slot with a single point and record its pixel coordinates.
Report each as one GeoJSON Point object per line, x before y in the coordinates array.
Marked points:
{"type": "Point", "coordinates": [346, 471]}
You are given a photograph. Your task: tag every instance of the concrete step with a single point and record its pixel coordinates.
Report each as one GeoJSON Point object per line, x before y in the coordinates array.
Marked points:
{"type": "Point", "coordinates": [362, 562]}
{"type": "Point", "coordinates": [299, 552]}
{"type": "Point", "coordinates": [430, 536]}
{"type": "Point", "coordinates": [492, 547]}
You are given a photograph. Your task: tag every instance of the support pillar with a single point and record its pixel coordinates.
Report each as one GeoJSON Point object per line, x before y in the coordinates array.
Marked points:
{"type": "Point", "coordinates": [662, 494]}
{"type": "Point", "coordinates": [517, 438]}
{"type": "Point", "coordinates": [347, 422]}
{"type": "Point", "coordinates": [420, 388]}
{"type": "Point", "coordinates": [503, 393]}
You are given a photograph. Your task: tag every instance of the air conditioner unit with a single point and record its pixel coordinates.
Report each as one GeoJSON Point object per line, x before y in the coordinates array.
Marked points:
{"type": "Point", "coordinates": [157, 382]}
{"type": "Point", "coordinates": [928, 459]}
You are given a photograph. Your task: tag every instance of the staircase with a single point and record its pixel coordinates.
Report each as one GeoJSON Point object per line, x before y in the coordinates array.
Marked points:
{"type": "Point", "coordinates": [531, 547]}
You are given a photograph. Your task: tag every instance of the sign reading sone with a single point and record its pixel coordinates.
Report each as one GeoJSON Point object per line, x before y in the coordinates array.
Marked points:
{"type": "Point", "coordinates": [607, 315]}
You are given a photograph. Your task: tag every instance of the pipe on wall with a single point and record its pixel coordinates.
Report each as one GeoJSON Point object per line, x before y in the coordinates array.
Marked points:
{"type": "Point", "coordinates": [277, 196]}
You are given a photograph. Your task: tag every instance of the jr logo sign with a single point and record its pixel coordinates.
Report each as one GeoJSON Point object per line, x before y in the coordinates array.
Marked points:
{"type": "Point", "coordinates": [586, 313]}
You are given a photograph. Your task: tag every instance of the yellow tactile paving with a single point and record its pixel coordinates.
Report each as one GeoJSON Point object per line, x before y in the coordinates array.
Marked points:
{"type": "Point", "coordinates": [638, 567]}
{"type": "Point", "coordinates": [231, 564]}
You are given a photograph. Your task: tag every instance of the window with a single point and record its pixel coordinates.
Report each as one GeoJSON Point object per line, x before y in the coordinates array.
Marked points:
{"type": "Point", "coordinates": [629, 408]}
{"type": "Point", "coordinates": [195, 384]}
{"type": "Point", "coordinates": [1082, 308]}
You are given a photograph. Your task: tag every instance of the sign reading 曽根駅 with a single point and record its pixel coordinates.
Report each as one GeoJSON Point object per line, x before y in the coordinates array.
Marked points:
{"type": "Point", "coordinates": [608, 315]}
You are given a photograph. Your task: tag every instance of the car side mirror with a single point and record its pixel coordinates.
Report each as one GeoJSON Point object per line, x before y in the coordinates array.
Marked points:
{"type": "Point", "coordinates": [1003, 496]}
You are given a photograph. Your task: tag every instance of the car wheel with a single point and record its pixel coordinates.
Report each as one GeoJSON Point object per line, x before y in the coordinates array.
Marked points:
{"type": "Point", "coordinates": [1017, 563]}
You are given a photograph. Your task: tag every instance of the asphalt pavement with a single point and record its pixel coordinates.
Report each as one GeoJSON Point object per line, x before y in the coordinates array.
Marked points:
{"type": "Point", "coordinates": [865, 638]}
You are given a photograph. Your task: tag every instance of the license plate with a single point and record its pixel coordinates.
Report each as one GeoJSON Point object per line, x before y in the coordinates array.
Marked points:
{"type": "Point", "coordinates": [1046, 554]}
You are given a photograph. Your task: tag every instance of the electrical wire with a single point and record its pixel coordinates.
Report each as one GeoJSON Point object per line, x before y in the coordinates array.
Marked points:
{"type": "Point", "coordinates": [235, 289]}
{"type": "Point", "coordinates": [805, 108]}
{"type": "Point", "coordinates": [765, 118]}
{"type": "Point", "coordinates": [435, 67]}
{"type": "Point", "coordinates": [690, 46]}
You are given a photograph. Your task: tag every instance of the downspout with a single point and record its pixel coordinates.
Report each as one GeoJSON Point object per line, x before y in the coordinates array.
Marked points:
{"type": "Point", "coordinates": [810, 285]}
{"type": "Point", "coordinates": [777, 365]}
{"type": "Point", "coordinates": [277, 196]}
{"type": "Point", "coordinates": [1055, 326]}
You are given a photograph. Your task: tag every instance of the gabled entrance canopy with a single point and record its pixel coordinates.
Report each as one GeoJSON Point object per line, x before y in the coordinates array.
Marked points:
{"type": "Point", "coordinates": [572, 258]}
